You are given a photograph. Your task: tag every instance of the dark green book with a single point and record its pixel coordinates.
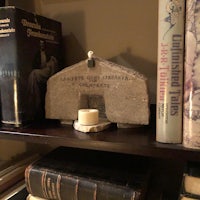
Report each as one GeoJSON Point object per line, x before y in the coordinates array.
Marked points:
{"type": "Point", "coordinates": [82, 174]}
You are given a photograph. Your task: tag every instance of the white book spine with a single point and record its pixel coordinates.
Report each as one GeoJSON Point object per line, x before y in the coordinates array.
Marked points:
{"type": "Point", "coordinates": [191, 128]}
{"type": "Point", "coordinates": [170, 71]}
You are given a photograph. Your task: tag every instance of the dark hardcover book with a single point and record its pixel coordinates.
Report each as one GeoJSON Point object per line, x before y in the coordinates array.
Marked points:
{"type": "Point", "coordinates": [30, 53]}
{"type": "Point", "coordinates": [71, 174]}
{"type": "Point", "coordinates": [2, 3]}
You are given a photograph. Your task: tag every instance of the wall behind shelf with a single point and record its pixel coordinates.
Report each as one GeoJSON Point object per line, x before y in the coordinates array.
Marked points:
{"type": "Point", "coordinates": [122, 31]}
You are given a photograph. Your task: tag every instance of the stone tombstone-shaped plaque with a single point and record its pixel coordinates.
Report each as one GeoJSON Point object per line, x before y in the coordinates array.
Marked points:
{"type": "Point", "coordinates": [119, 93]}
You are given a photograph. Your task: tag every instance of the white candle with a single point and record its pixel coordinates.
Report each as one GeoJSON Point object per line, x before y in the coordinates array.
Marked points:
{"type": "Point", "coordinates": [88, 117]}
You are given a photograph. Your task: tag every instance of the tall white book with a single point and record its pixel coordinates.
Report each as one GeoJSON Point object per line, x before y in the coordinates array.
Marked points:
{"type": "Point", "coordinates": [170, 71]}
{"type": "Point", "coordinates": [191, 129]}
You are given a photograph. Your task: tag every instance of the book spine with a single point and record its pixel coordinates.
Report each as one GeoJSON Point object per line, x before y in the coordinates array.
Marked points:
{"type": "Point", "coordinates": [8, 68]}
{"type": "Point", "coordinates": [45, 184]}
{"type": "Point", "coordinates": [48, 184]}
{"type": "Point", "coordinates": [170, 71]}
{"type": "Point", "coordinates": [107, 191]}
{"type": "Point", "coordinates": [191, 130]}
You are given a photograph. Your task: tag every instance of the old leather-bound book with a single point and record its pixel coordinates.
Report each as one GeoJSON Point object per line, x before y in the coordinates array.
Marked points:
{"type": "Point", "coordinates": [70, 174]}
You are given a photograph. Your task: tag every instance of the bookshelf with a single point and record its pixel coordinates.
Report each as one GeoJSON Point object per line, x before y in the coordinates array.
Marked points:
{"type": "Point", "coordinates": [133, 141]}
{"type": "Point", "coordinates": [167, 159]}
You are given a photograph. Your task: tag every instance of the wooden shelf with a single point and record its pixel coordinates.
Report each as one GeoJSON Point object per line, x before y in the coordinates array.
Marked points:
{"type": "Point", "coordinates": [135, 141]}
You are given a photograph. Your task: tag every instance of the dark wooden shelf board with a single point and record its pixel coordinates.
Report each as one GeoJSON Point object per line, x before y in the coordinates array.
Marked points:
{"type": "Point", "coordinates": [137, 141]}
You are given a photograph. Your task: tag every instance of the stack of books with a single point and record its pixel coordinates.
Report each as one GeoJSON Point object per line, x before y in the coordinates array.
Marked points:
{"type": "Point", "coordinates": [12, 174]}
{"type": "Point", "coordinates": [190, 188]}
{"type": "Point", "coordinates": [71, 174]}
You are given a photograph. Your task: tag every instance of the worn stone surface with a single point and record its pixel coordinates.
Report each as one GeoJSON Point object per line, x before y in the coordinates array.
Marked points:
{"type": "Point", "coordinates": [120, 93]}
{"type": "Point", "coordinates": [102, 125]}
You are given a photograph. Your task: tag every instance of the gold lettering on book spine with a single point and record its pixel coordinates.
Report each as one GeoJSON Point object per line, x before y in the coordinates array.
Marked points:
{"type": "Point", "coordinates": [27, 179]}
{"type": "Point", "coordinates": [58, 183]}
{"type": "Point", "coordinates": [43, 183]}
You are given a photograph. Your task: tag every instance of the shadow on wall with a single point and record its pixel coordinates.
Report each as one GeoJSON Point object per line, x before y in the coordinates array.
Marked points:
{"type": "Point", "coordinates": [142, 66]}
{"type": "Point", "coordinates": [23, 4]}
{"type": "Point", "coordinates": [74, 53]}
{"type": "Point", "coordinates": [75, 44]}
{"type": "Point", "coordinates": [73, 26]}
{"type": "Point", "coordinates": [72, 50]}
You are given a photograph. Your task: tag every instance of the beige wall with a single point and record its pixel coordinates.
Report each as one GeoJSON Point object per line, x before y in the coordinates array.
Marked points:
{"type": "Point", "coordinates": [122, 30]}
{"type": "Point", "coordinates": [9, 148]}
{"type": "Point", "coordinates": [110, 27]}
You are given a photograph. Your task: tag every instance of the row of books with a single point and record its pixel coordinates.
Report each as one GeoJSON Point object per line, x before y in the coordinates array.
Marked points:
{"type": "Point", "coordinates": [178, 80]}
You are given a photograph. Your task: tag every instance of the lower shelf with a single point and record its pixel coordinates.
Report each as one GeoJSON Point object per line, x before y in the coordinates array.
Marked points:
{"type": "Point", "coordinates": [136, 141]}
